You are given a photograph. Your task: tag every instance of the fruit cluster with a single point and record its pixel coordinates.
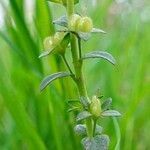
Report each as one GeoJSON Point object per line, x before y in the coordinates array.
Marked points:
{"type": "Point", "coordinates": [51, 41]}
{"type": "Point", "coordinates": [80, 24]}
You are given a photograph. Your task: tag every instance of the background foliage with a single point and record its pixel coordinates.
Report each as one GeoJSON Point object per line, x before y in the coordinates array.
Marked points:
{"type": "Point", "coordinates": [31, 120]}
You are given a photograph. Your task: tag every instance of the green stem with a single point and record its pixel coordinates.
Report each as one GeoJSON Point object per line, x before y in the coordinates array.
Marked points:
{"type": "Point", "coordinates": [89, 127]}
{"type": "Point", "coordinates": [65, 61]}
{"type": "Point", "coordinates": [78, 67]}
{"type": "Point", "coordinates": [80, 50]}
{"type": "Point", "coordinates": [77, 63]}
{"type": "Point", "coordinates": [70, 8]}
{"type": "Point", "coordinates": [94, 126]}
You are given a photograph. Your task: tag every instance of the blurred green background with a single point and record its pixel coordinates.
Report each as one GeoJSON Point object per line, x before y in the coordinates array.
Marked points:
{"type": "Point", "coordinates": [33, 120]}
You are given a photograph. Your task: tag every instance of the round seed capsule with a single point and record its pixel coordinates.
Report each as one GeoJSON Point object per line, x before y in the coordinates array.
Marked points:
{"type": "Point", "coordinates": [48, 42]}
{"type": "Point", "coordinates": [60, 42]}
{"type": "Point", "coordinates": [74, 21]}
{"type": "Point", "coordinates": [95, 107]}
{"type": "Point", "coordinates": [85, 24]}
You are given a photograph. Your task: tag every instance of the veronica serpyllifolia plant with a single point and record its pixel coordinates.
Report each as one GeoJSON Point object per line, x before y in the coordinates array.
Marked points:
{"type": "Point", "coordinates": [76, 28]}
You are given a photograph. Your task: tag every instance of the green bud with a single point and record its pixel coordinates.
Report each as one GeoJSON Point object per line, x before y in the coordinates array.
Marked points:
{"type": "Point", "coordinates": [74, 22]}
{"type": "Point", "coordinates": [95, 107]}
{"type": "Point", "coordinates": [51, 42]}
{"type": "Point", "coordinates": [85, 25]}
{"type": "Point", "coordinates": [48, 43]}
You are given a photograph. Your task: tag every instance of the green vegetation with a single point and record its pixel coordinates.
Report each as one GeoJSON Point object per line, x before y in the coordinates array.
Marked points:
{"type": "Point", "coordinates": [76, 28]}
{"type": "Point", "coordinates": [33, 120]}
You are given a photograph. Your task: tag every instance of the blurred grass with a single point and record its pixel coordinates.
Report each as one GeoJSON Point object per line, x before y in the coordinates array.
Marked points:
{"type": "Point", "coordinates": [31, 120]}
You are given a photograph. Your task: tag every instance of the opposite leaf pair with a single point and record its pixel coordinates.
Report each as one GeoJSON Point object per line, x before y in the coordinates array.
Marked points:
{"type": "Point", "coordinates": [96, 54]}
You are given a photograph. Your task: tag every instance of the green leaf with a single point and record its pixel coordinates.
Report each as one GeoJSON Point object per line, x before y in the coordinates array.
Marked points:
{"type": "Point", "coordinates": [118, 134]}
{"type": "Point", "coordinates": [106, 104]}
{"type": "Point", "coordinates": [80, 129]}
{"type": "Point", "coordinates": [95, 30]}
{"type": "Point", "coordinates": [98, 130]}
{"type": "Point", "coordinates": [62, 21]}
{"type": "Point", "coordinates": [84, 101]}
{"type": "Point", "coordinates": [83, 115]}
{"type": "Point", "coordinates": [43, 19]}
{"type": "Point", "coordinates": [110, 113]}
{"type": "Point", "coordinates": [100, 54]}
{"type": "Point", "coordinates": [47, 80]}
{"type": "Point", "coordinates": [99, 142]}
{"type": "Point", "coordinates": [46, 53]}
{"type": "Point", "coordinates": [74, 103]}
{"type": "Point", "coordinates": [85, 36]}
{"type": "Point", "coordinates": [73, 109]}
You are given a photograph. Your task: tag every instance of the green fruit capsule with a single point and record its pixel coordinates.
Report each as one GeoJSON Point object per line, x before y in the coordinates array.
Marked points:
{"type": "Point", "coordinates": [95, 107]}
{"type": "Point", "coordinates": [48, 43]}
{"type": "Point", "coordinates": [85, 25]}
{"type": "Point", "coordinates": [74, 22]}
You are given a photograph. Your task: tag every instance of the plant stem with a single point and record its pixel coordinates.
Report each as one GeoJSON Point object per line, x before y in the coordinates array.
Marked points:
{"type": "Point", "coordinates": [74, 50]}
{"type": "Point", "coordinates": [65, 61]}
{"type": "Point", "coordinates": [77, 62]}
{"type": "Point", "coordinates": [94, 126]}
{"type": "Point", "coordinates": [70, 8]}
{"type": "Point", "coordinates": [80, 50]}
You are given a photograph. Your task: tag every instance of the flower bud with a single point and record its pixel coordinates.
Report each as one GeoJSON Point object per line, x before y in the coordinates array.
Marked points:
{"type": "Point", "coordinates": [95, 107]}
{"type": "Point", "coordinates": [74, 21]}
{"type": "Point", "coordinates": [48, 42]}
{"type": "Point", "coordinates": [85, 24]}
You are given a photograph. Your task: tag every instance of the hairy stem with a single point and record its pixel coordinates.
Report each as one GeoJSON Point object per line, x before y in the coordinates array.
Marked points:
{"type": "Point", "coordinates": [77, 62]}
